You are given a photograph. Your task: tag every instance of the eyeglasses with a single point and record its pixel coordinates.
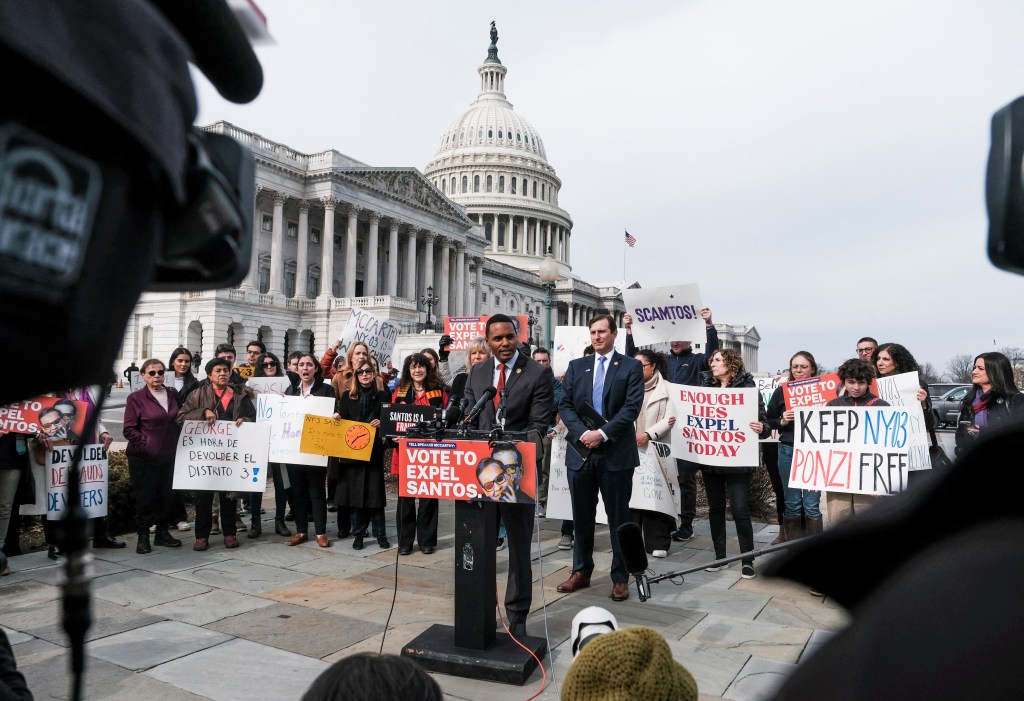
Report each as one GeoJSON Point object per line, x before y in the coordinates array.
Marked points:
{"type": "Point", "coordinates": [56, 422]}
{"type": "Point", "coordinates": [154, 373]}
{"type": "Point", "coordinates": [867, 351]}
{"type": "Point", "coordinates": [365, 371]}
{"type": "Point", "coordinates": [499, 479]}
{"type": "Point", "coordinates": [646, 365]}
{"type": "Point", "coordinates": [270, 364]}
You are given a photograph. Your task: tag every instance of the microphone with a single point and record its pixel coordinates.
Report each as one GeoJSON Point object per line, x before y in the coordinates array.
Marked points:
{"type": "Point", "coordinates": [501, 414]}
{"type": "Point", "coordinates": [631, 545]}
{"type": "Point", "coordinates": [218, 42]}
{"type": "Point", "coordinates": [487, 396]}
{"type": "Point", "coordinates": [454, 413]}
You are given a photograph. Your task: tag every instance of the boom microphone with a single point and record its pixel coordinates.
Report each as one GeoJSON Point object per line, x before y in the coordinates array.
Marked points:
{"type": "Point", "coordinates": [487, 396]}
{"type": "Point", "coordinates": [631, 545]}
{"type": "Point", "coordinates": [221, 49]}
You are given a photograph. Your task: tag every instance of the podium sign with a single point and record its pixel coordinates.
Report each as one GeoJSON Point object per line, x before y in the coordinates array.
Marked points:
{"type": "Point", "coordinates": [465, 470]}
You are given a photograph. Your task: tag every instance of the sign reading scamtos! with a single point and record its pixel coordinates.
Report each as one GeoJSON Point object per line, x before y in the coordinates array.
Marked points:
{"type": "Point", "coordinates": [863, 450]}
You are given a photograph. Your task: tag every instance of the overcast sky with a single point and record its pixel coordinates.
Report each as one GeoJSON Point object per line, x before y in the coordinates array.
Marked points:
{"type": "Point", "coordinates": [818, 168]}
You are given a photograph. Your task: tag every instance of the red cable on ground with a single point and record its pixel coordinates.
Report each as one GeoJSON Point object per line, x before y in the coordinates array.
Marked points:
{"type": "Point", "coordinates": [543, 672]}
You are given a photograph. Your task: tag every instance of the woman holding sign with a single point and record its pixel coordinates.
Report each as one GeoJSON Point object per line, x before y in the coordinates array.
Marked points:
{"type": "Point", "coordinates": [800, 503]}
{"type": "Point", "coordinates": [361, 482]}
{"type": "Point", "coordinates": [727, 371]}
{"type": "Point", "coordinates": [217, 401]}
{"type": "Point", "coordinates": [268, 365]}
{"type": "Point", "coordinates": [419, 385]}
{"type": "Point", "coordinates": [654, 423]}
{"type": "Point", "coordinates": [308, 481]}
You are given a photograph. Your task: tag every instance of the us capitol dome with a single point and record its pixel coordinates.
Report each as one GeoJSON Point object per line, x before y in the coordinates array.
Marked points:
{"type": "Point", "coordinates": [492, 161]}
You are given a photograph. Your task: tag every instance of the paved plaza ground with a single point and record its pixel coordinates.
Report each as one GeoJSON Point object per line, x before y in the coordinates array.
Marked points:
{"type": "Point", "coordinates": [263, 620]}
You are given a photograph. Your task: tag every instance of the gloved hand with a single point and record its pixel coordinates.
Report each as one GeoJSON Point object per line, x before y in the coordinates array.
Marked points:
{"type": "Point", "coordinates": [442, 346]}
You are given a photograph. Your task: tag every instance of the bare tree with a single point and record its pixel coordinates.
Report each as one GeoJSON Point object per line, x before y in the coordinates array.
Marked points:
{"type": "Point", "coordinates": [1016, 357]}
{"type": "Point", "coordinates": [928, 373]}
{"type": "Point", "coordinates": [959, 367]}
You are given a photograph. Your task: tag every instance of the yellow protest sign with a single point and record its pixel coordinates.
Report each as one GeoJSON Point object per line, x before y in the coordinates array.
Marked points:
{"type": "Point", "coordinates": [245, 371]}
{"type": "Point", "coordinates": [340, 438]}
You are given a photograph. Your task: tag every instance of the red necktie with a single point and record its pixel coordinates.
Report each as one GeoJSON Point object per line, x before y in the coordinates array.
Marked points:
{"type": "Point", "coordinates": [501, 385]}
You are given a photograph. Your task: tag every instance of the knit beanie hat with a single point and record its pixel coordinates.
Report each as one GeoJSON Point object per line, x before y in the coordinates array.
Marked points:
{"type": "Point", "coordinates": [634, 663]}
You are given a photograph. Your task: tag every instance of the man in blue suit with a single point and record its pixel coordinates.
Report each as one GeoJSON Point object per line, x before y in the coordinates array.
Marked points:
{"type": "Point", "coordinates": [612, 385]}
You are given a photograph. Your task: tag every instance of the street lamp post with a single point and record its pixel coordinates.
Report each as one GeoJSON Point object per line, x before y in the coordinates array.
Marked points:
{"type": "Point", "coordinates": [548, 271]}
{"type": "Point", "coordinates": [530, 321]}
{"type": "Point", "coordinates": [429, 301]}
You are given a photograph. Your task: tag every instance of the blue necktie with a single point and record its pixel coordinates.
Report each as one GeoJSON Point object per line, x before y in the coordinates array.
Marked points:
{"type": "Point", "coordinates": [599, 386]}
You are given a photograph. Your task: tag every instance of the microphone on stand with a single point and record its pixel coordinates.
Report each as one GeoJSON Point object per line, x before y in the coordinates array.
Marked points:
{"type": "Point", "coordinates": [499, 415]}
{"type": "Point", "coordinates": [487, 396]}
{"type": "Point", "coordinates": [453, 413]}
{"type": "Point", "coordinates": [631, 545]}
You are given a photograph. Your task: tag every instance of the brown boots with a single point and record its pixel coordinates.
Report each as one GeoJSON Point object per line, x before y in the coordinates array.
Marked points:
{"type": "Point", "coordinates": [792, 528]}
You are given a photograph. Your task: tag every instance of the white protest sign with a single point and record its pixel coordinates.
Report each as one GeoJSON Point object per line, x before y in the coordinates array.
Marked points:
{"type": "Point", "coordinates": [767, 386]}
{"type": "Point", "coordinates": [863, 450]}
{"type": "Point", "coordinates": [222, 457]}
{"type": "Point", "coordinates": [375, 331]}
{"type": "Point", "coordinates": [713, 425]}
{"type": "Point", "coordinates": [665, 314]}
{"type": "Point", "coordinates": [286, 416]}
{"type": "Point", "coordinates": [268, 385]}
{"type": "Point", "coordinates": [901, 391]}
{"type": "Point", "coordinates": [92, 478]}
{"type": "Point", "coordinates": [569, 342]}
{"type": "Point", "coordinates": [654, 485]}
{"type": "Point", "coordinates": [559, 503]}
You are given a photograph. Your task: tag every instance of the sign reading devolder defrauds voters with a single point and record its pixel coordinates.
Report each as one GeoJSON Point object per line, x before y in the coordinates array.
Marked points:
{"type": "Point", "coordinates": [221, 456]}
{"type": "Point", "coordinates": [286, 416]}
{"type": "Point", "coordinates": [375, 331]}
{"type": "Point", "coordinates": [449, 470]}
{"type": "Point", "coordinates": [92, 477]}
{"type": "Point", "coordinates": [464, 329]}
{"type": "Point", "coordinates": [713, 425]}
{"type": "Point", "coordinates": [665, 314]}
{"type": "Point", "coordinates": [863, 450]}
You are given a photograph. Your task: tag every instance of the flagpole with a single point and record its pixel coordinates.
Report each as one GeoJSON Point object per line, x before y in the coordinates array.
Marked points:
{"type": "Point", "coordinates": [624, 258]}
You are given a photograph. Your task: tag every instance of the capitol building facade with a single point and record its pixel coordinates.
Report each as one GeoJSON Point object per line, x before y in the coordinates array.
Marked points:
{"type": "Point", "coordinates": [332, 233]}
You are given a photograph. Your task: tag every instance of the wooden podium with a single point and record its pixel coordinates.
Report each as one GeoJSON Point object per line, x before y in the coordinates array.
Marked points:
{"type": "Point", "coordinates": [472, 647]}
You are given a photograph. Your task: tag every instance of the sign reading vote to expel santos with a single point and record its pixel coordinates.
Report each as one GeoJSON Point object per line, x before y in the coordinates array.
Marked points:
{"type": "Point", "coordinates": [863, 450]}
{"type": "Point", "coordinates": [464, 329]}
{"type": "Point", "coordinates": [713, 425]}
{"type": "Point", "coordinates": [92, 479]}
{"type": "Point", "coordinates": [222, 457]}
{"type": "Point", "coordinates": [449, 470]}
{"type": "Point", "coordinates": [665, 314]}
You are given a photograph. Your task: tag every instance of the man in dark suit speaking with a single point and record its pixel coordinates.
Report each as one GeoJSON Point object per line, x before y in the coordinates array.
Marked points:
{"type": "Point", "coordinates": [529, 406]}
{"type": "Point", "coordinates": [612, 385]}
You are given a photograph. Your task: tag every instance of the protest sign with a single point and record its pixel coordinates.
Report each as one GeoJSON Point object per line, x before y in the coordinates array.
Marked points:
{"type": "Point", "coordinates": [569, 342]}
{"type": "Point", "coordinates": [464, 329]}
{"type": "Point", "coordinates": [395, 419]}
{"type": "Point", "coordinates": [339, 438]}
{"type": "Point", "coordinates": [375, 331]}
{"type": "Point", "coordinates": [135, 381]}
{"type": "Point", "coordinates": [286, 416]}
{"type": "Point", "coordinates": [863, 450]}
{"type": "Point", "coordinates": [222, 457]}
{"type": "Point", "coordinates": [559, 503]}
{"type": "Point", "coordinates": [767, 386]}
{"type": "Point", "coordinates": [268, 385]}
{"type": "Point", "coordinates": [665, 314]}
{"type": "Point", "coordinates": [713, 425]}
{"type": "Point", "coordinates": [92, 478]}
{"type": "Point", "coordinates": [448, 470]}
{"type": "Point", "coordinates": [63, 419]}
{"type": "Point", "coordinates": [901, 391]}
{"type": "Point", "coordinates": [814, 391]}
{"type": "Point", "coordinates": [244, 371]}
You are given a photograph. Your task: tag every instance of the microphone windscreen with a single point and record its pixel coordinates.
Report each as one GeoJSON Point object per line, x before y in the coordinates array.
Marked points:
{"type": "Point", "coordinates": [631, 545]}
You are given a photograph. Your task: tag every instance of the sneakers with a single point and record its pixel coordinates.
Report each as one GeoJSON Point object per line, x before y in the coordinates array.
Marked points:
{"type": "Point", "coordinates": [748, 572]}
{"type": "Point", "coordinates": [542, 511]}
{"type": "Point", "coordinates": [201, 544]}
{"type": "Point", "coordinates": [184, 526]}
{"type": "Point", "coordinates": [230, 541]}
{"type": "Point", "coordinates": [565, 542]}
{"type": "Point", "coordinates": [684, 534]}
{"type": "Point", "coordinates": [659, 553]}
{"type": "Point", "coordinates": [501, 543]}
{"type": "Point", "coordinates": [215, 528]}
{"type": "Point", "coordinates": [152, 529]}
{"type": "Point", "coordinates": [716, 568]}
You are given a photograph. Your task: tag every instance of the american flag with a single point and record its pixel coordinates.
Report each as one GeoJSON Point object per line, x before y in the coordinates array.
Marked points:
{"type": "Point", "coordinates": [630, 239]}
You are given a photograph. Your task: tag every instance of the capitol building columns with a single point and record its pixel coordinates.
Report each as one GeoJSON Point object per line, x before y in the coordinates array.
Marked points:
{"type": "Point", "coordinates": [277, 246]}
{"type": "Point", "coordinates": [392, 286]}
{"type": "Point", "coordinates": [327, 244]}
{"type": "Point", "coordinates": [349, 283]}
{"type": "Point", "coordinates": [302, 252]}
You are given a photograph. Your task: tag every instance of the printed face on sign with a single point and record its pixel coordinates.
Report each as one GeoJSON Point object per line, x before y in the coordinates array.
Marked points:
{"type": "Point", "coordinates": [512, 460]}
{"type": "Point", "coordinates": [52, 424]}
{"type": "Point", "coordinates": [493, 481]}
